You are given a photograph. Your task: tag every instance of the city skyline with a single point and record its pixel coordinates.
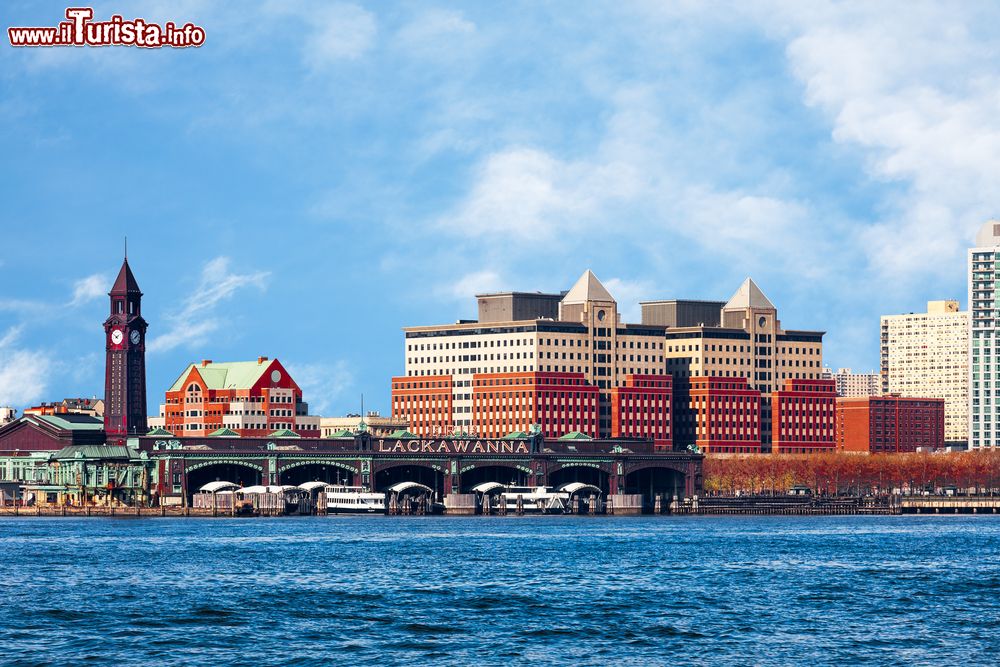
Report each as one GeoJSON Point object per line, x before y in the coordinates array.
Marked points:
{"type": "Point", "coordinates": [318, 224]}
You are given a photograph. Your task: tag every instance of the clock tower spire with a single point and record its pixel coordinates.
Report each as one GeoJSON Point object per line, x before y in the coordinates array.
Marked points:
{"type": "Point", "coordinates": [125, 369]}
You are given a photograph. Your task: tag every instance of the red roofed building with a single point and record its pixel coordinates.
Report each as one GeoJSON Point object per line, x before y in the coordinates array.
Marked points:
{"type": "Point", "coordinates": [249, 398]}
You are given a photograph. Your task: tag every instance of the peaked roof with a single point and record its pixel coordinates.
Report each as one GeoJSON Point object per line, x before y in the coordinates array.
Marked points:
{"type": "Point", "coordinates": [223, 433]}
{"type": "Point", "coordinates": [748, 296]}
{"type": "Point", "coordinates": [283, 433]}
{"type": "Point", "coordinates": [125, 283]}
{"type": "Point", "coordinates": [226, 375]}
{"type": "Point", "coordinates": [587, 288]}
{"type": "Point", "coordinates": [575, 435]}
{"type": "Point", "coordinates": [402, 434]}
{"type": "Point", "coordinates": [342, 433]}
{"type": "Point", "coordinates": [515, 435]}
{"type": "Point", "coordinates": [159, 430]}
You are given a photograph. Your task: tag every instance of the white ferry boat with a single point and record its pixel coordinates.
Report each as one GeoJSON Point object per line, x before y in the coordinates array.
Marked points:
{"type": "Point", "coordinates": [353, 499]}
{"type": "Point", "coordinates": [535, 499]}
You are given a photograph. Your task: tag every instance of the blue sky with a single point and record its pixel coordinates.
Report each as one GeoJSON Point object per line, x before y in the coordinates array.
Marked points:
{"type": "Point", "coordinates": [319, 175]}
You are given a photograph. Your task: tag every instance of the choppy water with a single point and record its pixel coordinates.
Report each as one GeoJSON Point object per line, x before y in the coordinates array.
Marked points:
{"type": "Point", "coordinates": [351, 590]}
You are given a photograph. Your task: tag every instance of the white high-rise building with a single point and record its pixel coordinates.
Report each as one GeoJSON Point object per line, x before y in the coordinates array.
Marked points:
{"type": "Point", "coordinates": [984, 342]}
{"type": "Point", "coordinates": [926, 355]}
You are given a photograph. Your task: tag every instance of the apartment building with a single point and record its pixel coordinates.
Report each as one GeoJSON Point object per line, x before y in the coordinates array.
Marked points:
{"type": "Point", "coordinates": [889, 424]}
{"type": "Point", "coordinates": [850, 384]}
{"type": "Point", "coordinates": [926, 355]}
{"type": "Point", "coordinates": [984, 338]}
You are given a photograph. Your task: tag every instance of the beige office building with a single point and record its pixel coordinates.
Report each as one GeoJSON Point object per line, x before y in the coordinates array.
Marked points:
{"type": "Point", "coordinates": [926, 355]}
{"type": "Point", "coordinates": [744, 340]}
{"type": "Point", "coordinates": [579, 331]}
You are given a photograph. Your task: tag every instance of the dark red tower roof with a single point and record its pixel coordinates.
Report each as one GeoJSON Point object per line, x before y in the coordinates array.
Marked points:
{"type": "Point", "coordinates": [125, 283]}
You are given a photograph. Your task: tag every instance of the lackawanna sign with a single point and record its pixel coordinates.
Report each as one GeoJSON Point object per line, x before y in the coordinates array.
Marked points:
{"type": "Point", "coordinates": [452, 446]}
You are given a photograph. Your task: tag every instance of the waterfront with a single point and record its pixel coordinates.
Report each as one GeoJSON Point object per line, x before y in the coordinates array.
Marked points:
{"type": "Point", "coordinates": [695, 590]}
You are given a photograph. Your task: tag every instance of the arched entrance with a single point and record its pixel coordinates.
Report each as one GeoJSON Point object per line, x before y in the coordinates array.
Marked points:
{"type": "Point", "coordinates": [241, 474]}
{"type": "Point", "coordinates": [420, 474]}
{"type": "Point", "coordinates": [584, 474]}
{"type": "Point", "coordinates": [317, 472]}
{"type": "Point", "coordinates": [506, 475]}
{"type": "Point", "coordinates": [652, 482]}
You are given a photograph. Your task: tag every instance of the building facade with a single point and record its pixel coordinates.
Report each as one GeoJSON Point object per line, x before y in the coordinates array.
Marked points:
{"type": "Point", "coordinates": [80, 406]}
{"type": "Point", "coordinates": [803, 416]}
{"type": "Point", "coordinates": [642, 408]}
{"type": "Point", "coordinates": [722, 415]}
{"type": "Point", "coordinates": [926, 355]}
{"type": "Point", "coordinates": [889, 424]}
{"type": "Point", "coordinates": [984, 341]}
{"type": "Point", "coordinates": [745, 341]}
{"type": "Point", "coordinates": [850, 384]}
{"type": "Point", "coordinates": [372, 422]}
{"type": "Point", "coordinates": [449, 368]}
{"type": "Point", "coordinates": [248, 398]}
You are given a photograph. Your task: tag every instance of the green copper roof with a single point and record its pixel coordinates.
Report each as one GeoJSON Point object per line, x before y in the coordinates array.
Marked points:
{"type": "Point", "coordinates": [516, 435]}
{"type": "Point", "coordinates": [224, 433]}
{"type": "Point", "coordinates": [575, 435]}
{"type": "Point", "coordinates": [342, 433]}
{"type": "Point", "coordinates": [225, 375]}
{"type": "Point", "coordinates": [283, 433]}
{"type": "Point", "coordinates": [96, 452]}
{"type": "Point", "coordinates": [159, 430]}
{"type": "Point", "coordinates": [73, 422]}
{"type": "Point", "coordinates": [403, 434]}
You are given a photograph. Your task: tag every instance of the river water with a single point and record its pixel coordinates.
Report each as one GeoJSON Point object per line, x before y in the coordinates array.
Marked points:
{"type": "Point", "coordinates": [917, 590]}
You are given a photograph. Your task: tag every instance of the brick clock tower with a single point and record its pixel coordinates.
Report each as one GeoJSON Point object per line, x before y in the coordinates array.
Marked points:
{"type": "Point", "coordinates": [125, 370]}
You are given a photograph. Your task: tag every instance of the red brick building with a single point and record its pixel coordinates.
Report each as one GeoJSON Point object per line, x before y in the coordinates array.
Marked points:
{"type": "Point", "coordinates": [803, 417]}
{"type": "Point", "coordinates": [889, 424]}
{"type": "Point", "coordinates": [425, 402]}
{"type": "Point", "coordinates": [558, 402]}
{"type": "Point", "coordinates": [641, 409]}
{"type": "Point", "coordinates": [248, 398]}
{"type": "Point", "coordinates": [725, 414]}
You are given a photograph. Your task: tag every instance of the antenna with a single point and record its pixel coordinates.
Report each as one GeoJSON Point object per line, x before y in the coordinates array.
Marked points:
{"type": "Point", "coordinates": [126, 248]}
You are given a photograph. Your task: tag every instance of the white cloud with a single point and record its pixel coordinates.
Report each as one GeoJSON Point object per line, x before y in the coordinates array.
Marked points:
{"type": "Point", "coordinates": [340, 32]}
{"type": "Point", "coordinates": [628, 294]}
{"type": "Point", "coordinates": [477, 282]}
{"type": "Point", "coordinates": [24, 374]}
{"type": "Point", "coordinates": [437, 33]}
{"type": "Point", "coordinates": [200, 314]}
{"type": "Point", "coordinates": [322, 383]}
{"type": "Point", "coordinates": [90, 288]}
{"type": "Point", "coordinates": [917, 90]}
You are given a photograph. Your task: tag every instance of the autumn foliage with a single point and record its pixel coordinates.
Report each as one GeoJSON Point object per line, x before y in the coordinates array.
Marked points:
{"type": "Point", "coordinates": [833, 473]}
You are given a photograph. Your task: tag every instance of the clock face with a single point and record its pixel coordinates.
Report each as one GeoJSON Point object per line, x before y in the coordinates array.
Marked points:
{"type": "Point", "coordinates": [117, 336]}
{"type": "Point", "coordinates": [134, 337]}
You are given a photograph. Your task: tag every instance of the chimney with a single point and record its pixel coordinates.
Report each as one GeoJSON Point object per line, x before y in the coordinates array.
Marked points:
{"type": "Point", "coordinates": [205, 362]}
{"type": "Point", "coordinates": [261, 360]}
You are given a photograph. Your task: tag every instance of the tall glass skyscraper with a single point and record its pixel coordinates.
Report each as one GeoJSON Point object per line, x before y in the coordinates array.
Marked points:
{"type": "Point", "coordinates": [984, 341]}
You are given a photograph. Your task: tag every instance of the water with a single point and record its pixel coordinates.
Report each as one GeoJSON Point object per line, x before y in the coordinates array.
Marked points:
{"type": "Point", "coordinates": [692, 590]}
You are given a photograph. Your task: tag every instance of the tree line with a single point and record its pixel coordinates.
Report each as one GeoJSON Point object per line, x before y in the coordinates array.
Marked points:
{"type": "Point", "coordinates": [854, 474]}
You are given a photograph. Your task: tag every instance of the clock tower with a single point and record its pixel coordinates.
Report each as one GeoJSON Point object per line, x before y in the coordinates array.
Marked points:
{"type": "Point", "coordinates": [125, 369]}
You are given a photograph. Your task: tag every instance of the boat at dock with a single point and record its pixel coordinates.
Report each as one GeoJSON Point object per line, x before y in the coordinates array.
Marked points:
{"type": "Point", "coordinates": [534, 500]}
{"type": "Point", "coordinates": [353, 500]}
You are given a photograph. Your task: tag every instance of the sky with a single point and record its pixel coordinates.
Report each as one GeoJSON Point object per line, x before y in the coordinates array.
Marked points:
{"type": "Point", "coordinates": [319, 175]}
